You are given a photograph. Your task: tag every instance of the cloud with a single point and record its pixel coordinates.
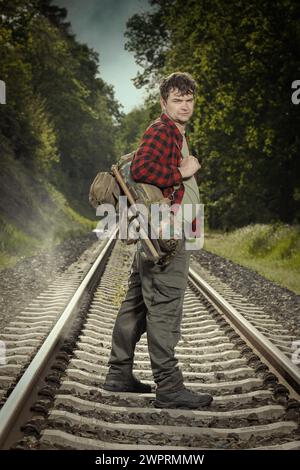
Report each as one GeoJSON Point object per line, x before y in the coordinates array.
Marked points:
{"type": "Point", "coordinates": [101, 24]}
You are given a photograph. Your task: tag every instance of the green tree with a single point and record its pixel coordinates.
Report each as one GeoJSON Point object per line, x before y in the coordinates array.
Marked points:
{"type": "Point", "coordinates": [61, 117]}
{"type": "Point", "coordinates": [244, 57]}
{"type": "Point", "coordinates": [132, 125]}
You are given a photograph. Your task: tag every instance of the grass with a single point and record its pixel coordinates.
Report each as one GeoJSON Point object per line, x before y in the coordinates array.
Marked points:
{"type": "Point", "coordinates": [34, 215]}
{"type": "Point", "coordinates": [15, 243]}
{"type": "Point", "coordinates": [271, 250]}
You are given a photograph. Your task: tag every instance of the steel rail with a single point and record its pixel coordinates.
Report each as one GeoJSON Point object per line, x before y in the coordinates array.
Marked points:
{"type": "Point", "coordinates": [13, 405]}
{"type": "Point", "coordinates": [279, 360]}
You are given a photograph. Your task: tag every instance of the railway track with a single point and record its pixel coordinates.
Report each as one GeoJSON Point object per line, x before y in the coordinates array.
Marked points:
{"type": "Point", "coordinates": [236, 353]}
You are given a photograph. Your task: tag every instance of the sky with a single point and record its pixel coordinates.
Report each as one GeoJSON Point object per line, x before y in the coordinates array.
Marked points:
{"type": "Point", "coordinates": [101, 25]}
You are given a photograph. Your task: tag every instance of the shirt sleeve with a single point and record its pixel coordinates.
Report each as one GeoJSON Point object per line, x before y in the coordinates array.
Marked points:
{"type": "Point", "coordinates": [152, 162]}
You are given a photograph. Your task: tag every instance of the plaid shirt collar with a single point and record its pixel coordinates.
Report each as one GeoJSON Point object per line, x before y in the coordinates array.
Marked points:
{"type": "Point", "coordinates": [171, 124]}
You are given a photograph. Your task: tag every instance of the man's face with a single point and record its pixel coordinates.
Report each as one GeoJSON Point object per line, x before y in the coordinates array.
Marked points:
{"type": "Point", "coordinates": [178, 107]}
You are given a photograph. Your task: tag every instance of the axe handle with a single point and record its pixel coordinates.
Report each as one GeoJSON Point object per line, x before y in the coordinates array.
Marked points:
{"type": "Point", "coordinates": [122, 183]}
{"type": "Point", "coordinates": [124, 187]}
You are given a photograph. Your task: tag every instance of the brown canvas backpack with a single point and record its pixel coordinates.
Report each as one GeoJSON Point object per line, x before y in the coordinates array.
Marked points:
{"type": "Point", "coordinates": [107, 187]}
{"type": "Point", "coordinates": [104, 190]}
{"type": "Point", "coordinates": [143, 193]}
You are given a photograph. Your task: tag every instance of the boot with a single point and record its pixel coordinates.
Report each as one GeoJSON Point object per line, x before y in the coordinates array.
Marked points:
{"type": "Point", "coordinates": [182, 398]}
{"type": "Point", "coordinates": [126, 384]}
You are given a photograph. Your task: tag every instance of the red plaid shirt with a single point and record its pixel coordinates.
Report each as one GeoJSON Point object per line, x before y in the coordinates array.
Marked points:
{"type": "Point", "coordinates": [158, 157]}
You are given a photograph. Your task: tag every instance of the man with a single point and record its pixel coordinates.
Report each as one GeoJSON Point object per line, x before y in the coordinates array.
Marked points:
{"type": "Point", "coordinates": [155, 295]}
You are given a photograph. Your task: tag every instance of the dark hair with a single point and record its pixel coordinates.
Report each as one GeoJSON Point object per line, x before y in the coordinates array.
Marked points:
{"type": "Point", "coordinates": [180, 80]}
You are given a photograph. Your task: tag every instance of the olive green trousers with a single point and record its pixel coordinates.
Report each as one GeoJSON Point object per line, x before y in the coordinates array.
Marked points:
{"type": "Point", "coordinates": [153, 304]}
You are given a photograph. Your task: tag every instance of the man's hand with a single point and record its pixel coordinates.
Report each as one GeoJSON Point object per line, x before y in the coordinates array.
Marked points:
{"type": "Point", "coordinates": [189, 166]}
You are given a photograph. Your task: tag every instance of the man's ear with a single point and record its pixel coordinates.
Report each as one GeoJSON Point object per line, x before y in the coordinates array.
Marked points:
{"type": "Point", "coordinates": [163, 104]}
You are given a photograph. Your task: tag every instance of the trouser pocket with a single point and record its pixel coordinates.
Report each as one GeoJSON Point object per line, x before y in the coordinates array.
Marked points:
{"type": "Point", "coordinates": [166, 308]}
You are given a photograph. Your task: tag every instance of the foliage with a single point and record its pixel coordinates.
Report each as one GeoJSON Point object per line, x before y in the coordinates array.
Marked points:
{"type": "Point", "coordinates": [60, 116]}
{"type": "Point", "coordinates": [273, 250]}
{"type": "Point", "coordinates": [244, 57]}
{"type": "Point", "coordinates": [133, 124]}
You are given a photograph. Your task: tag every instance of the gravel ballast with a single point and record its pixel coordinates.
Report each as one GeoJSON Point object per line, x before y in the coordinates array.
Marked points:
{"type": "Point", "coordinates": [20, 284]}
{"type": "Point", "coordinates": [278, 301]}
